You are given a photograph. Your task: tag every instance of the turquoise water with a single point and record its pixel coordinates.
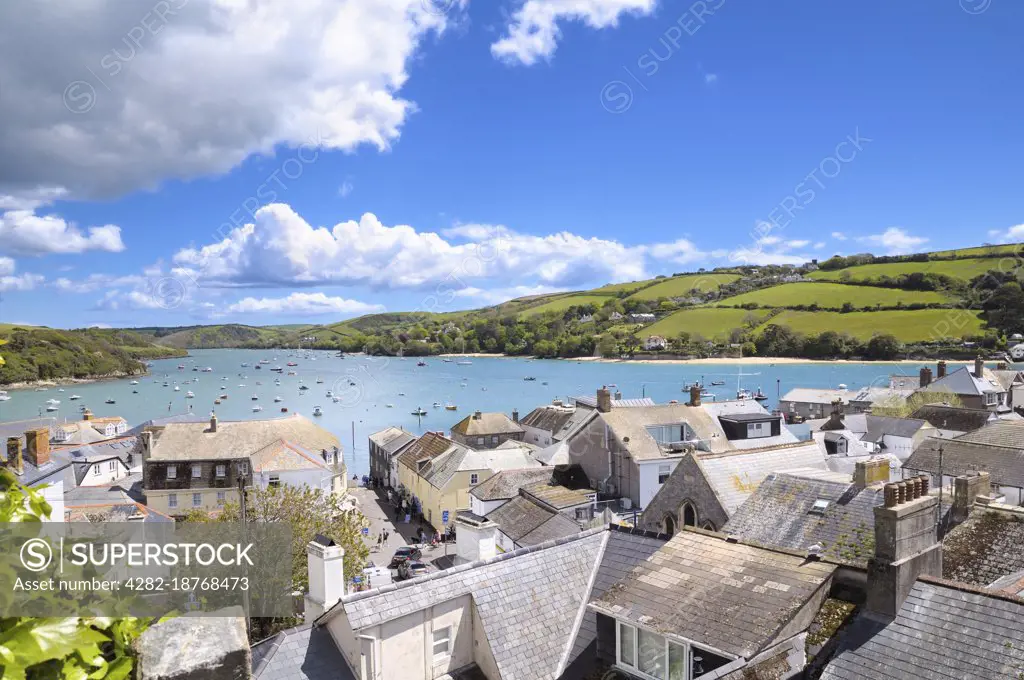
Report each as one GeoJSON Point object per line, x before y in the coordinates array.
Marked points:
{"type": "Point", "coordinates": [366, 385]}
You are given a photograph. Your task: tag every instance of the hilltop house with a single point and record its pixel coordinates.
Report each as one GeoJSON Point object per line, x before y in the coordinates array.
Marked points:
{"type": "Point", "coordinates": [487, 430]}
{"type": "Point", "coordinates": [201, 466]}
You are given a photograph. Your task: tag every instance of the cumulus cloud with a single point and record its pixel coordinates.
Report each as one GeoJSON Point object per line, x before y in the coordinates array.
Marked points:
{"type": "Point", "coordinates": [819, 245]}
{"type": "Point", "coordinates": [125, 96]}
{"type": "Point", "coordinates": [496, 296]}
{"type": "Point", "coordinates": [534, 31]}
{"type": "Point", "coordinates": [24, 232]}
{"type": "Point", "coordinates": [767, 249]}
{"type": "Point", "coordinates": [838, 235]}
{"type": "Point", "coordinates": [6, 266]}
{"type": "Point", "coordinates": [10, 282]}
{"type": "Point", "coordinates": [895, 241]}
{"type": "Point", "coordinates": [680, 251]}
{"type": "Point", "coordinates": [94, 282]}
{"type": "Point", "coordinates": [301, 304]}
{"type": "Point", "coordinates": [279, 248]}
{"type": "Point", "coordinates": [1014, 234]}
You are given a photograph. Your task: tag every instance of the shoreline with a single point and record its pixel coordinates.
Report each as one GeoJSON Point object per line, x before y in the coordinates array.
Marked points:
{"type": "Point", "coordinates": [758, 361]}
{"type": "Point", "coordinates": [60, 382]}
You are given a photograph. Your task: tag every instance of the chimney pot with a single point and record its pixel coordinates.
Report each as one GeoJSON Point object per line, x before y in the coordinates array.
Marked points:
{"type": "Point", "coordinates": [213, 422]}
{"type": "Point", "coordinates": [515, 415]}
{"type": "Point", "coordinates": [925, 483]}
{"type": "Point", "coordinates": [694, 395]}
{"type": "Point", "coordinates": [942, 369]}
{"type": "Point", "coordinates": [979, 367]}
{"type": "Point", "coordinates": [38, 446]}
{"type": "Point", "coordinates": [1002, 366]}
{"type": "Point", "coordinates": [477, 415]}
{"type": "Point", "coordinates": [604, 400]}
{"type": "Point", "coordinates": [86, 414]}
{"type": "Point", "coordinates": [618, 395]}
{"type": "Point", "coordinates": [890, 495]}
{"type": "Point", "coordinates": [926, 376]}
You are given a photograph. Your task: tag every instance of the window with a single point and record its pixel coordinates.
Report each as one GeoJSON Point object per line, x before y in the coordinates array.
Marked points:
{"type": "Point", "coordinates": [582, 513]}
{"type": "Point", "coordinates": [442, 641]}
{"type": "Point", "coordinates": [820, 506]}
{"type": "Point", "coordinates": [96, 469]}
{"type": "Point", "coordinates": [112, 466]}
{"type": "Point", "coordinates": [221, 470]}
{"type": "Point", "coordinates": [172, 500]}
{"type": "Point", "coordinates": [755, 430]}
{"type": "Point", "coordinates": [197, 500]}
{"type": "Point", "coordinates": [197, 471]}
{"type": "Point", "coordinates": [221, 497]}
{"type": "Point", "coordinates": [627, 645]}
{"type": "Point", "coordinates": [172, 472]}
{"type": "Point", "coordinates": [479, 441]}
{"type": "Point", "coordinates": [651, 654]}
{"type": "Point", "coordinates": [494, 439]}
{"type": "Point", "coordinates": [474, 478]}
{"type": "Point", "coordinates": [663, 473]}
{"type": "Point", "coordinates": [990, 398]}
{"type": "Point", "coordinates": [243, 468]}
{"type": "Point", "coordinates": [275, 481]}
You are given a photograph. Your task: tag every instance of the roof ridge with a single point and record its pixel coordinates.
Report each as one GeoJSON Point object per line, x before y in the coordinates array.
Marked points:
{"type": "Point", "coordinates": [723, 454]}
{"type": "Point", "coordinates": [968, 588]}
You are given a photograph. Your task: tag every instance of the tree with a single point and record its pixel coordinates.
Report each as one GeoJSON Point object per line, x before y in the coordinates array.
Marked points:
{"type": "Point", "coordinates": [897, 407]}
{"type": "Point", "coordinates": [608, 346]}
{"type": "Point", "coordinates": [883, 346]}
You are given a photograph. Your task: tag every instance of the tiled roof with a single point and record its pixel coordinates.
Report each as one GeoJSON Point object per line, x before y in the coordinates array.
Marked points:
{"type": "Point", "coordinates": [985, 547]}
{"type": "Point", "coordinates": [443, 468]}
{"type": "Point", "coordinates": [528, 601]}
{"type": "Point", "coordinates": [952, 418]}
{"type": "Point", "coordinates": [1004, 464]}
{"type": "Point", "coordinates": [729, 596]}
{"type": "Point", "coordinates": [506, 484]}
{"type": "Point", "coordinates": [548, 418]}
{"type": "Point", "coordinates": [557, 526]}
{"type": "Point", "coordinates": [391, 439]}
{"type": "Point", "coordinates": [782, 513]}
{"type": "Point", "coordinates": [735, 475]}
{"type": "Point", "coordinates": [942, 632]}
{"type": "Point", "coordinates": [591, 402]}
{"type": "Point", "coordinates": [486, 424]}
{"type": "Point", "coordinates": [303, 653]}
{"type": "Point", "coordinates": [237, 438]}
{"type": "Point", "coordinates": [963, 381]}
{"type": "Point", "coordinates": [520, 516]}
{"type": "Point", "coordinates": [1008, 433]}
{"type": "Point", "coordinates": [629, 426]}
{"type": "Point", "coordinates": [430, 445]}
{"type": "Point", "coordinates": [558, 497]}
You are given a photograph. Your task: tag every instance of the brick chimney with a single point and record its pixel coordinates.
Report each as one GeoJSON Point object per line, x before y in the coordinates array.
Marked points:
{"type": "Point", "coordinates": [604, 400]}
{"type": "Point", "coordinates": [14, 462]}
{"type": "Point", "coordinates": [871, 471]}
{"type": "Point", "coordinates": [1002, 366]}
{"type": "Point", "coordinates": [979, 367]}
{"type": "Point", "coordinates": [694, 395]}
{"type": "Point", "coordinates": [618, 395]}
{"type": "Point", "coordinates": [515, 415]}
{"type": "Point", "coordinates": [325, 565]}
{"type": "Point", "coordinates": [87, 414]}
{"type": "Point", "coordinates": [926, 376]}
{"type": "Point", "coordinates": [942, 370]}
{"type": "Point", "coordinates": [906, 544]}
{"type": "Point", "coordinates": [835, 419]}
{"type": "Point", "coordinates": [38, 446]}
{"type": "Point", "coordinates": [477, 415]}
{"type": "Point", "coordinates": [967, 488]}
{"type": "Point", "coordinates": [213, 422]}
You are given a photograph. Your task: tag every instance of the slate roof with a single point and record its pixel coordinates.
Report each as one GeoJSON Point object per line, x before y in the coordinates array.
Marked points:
{"type": "Point", "coordinates": [528, 601]}
{"type": "Point", "coordinates": [557, 526]}
{"type": "Point", "coordinates": [521, 516]}
{"type": "Point", "coordinates": [963, 381]}
{"type": "Point", "coordinates": [486, 424]}
{"type": "Point", "coordinates": [122, 449]}
{"type": "Point", "coordinates": [591, 402]}
{"type": "Point", "coordinates": [1007, 433]}
{"type": "Point", "coordinates": [1007, 377]}
{"type": "Point", "coordinates": [506, 484]}
{"type": "Point", "coordinates": [17, 428]}
{"type": "Point", "coordinates": [459, 458]}
{"type": "Point", "coordinates": [392, 439]}
{"type": "Point", "coordinates": [558, 497]}
{"type": "Point", "coordinates": [942, 632]}
{"type": "Point", "coordinates": [1004, 464]}
{"type": "Point", "coordinates": [302, 653]}
{"type": "Point", "coordinates": [236, 438]}
{"type": "Point", "coordinates": [548, 418]}
{"type": "Point", "coordinates": [430, 445]}
{"type": "Point", "coordinates": [734, 475]}
{"type": "Point", "coordinates": [952, 418]}
{"type": "Point", "coordinates": [744, 410]}
{"type": "Point", "coordinates": [117, 511]}
{"type": "Point", "coordinates": [781, 513]}
{"type": "Point", "coordinates": [985, 547]}
{"type": "Point", "coordinates": [629, 425]}
{"type": "Point", "coordinates": [728, 596]}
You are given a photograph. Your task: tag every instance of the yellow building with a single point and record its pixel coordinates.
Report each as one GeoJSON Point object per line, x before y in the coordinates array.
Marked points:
{"type": "Point", "coordinates": [438, 472]}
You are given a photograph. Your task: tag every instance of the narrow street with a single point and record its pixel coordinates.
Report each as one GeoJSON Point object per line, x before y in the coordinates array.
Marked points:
{"type": "Point", "coordinates": [374, 505]}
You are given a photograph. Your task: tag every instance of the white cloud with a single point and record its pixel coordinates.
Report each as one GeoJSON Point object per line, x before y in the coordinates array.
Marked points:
{"type": "Point", "coordinates": [767, 249]}
{"type": "Point", "coordinates": [819, 245]}
{"type": "Point", "coordinates": [681, 251]}
{"type": "Point", "coordinates": [195, 90]}
{"type": "Point", "coordinates": [1014, 234]}
{"type": "Point", "coordinates": [838, 235]}
{"type": "Point", "coordinates": [20, 283]}
{"type": "Point", "coordinates": [798, 243]}
{"type": "Point", "coordinates": [896, 241]}
{"type": "Point", "coordinates": [534, 32]}
{"type": "Point", "coordinates": [23, 232]}
{"type": "Point", "coordinates": [94, 282]}
{"type": "Point", "coordinates": [6, 266]}
{"type": "Point", "coordinates": [300, 304]}
{"type": "Point", "coordinates": [281, 249]}
{"type": "Point", "coordinates": [496, 296]}
{"type": "Point", "coordinates": [345, 189]}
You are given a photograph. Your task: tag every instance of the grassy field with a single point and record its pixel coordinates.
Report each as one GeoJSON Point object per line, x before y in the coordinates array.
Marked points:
{"type": "Point", "coordinates": [981, 250]}
{"type": "Point", "coordinates": [907, 325]}
{"type": "Point", "coordinates": [713, 323]}
{"type": "Point", "coordinates": [958, 269]}
{"type": "Point", "coordinates": [561, 304]}
{"type": "Point", "coordinates": [616, 288]}
{"type": "Point", "coordinates": [679, 286]}
{"type": "Point", "coordinates": [831, 295]}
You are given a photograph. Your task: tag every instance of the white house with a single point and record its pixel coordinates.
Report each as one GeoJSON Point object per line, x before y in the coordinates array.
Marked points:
{"type": "Point", "coordinates": [655, 342]}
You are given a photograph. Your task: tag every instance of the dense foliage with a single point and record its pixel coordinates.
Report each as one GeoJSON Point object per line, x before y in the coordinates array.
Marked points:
{"type": "Point", "coordinates": [46, 354]}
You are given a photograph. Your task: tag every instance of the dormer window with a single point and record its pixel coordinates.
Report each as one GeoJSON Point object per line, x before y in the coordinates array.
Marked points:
{"type": "Point", "coordinates": [655, 657]}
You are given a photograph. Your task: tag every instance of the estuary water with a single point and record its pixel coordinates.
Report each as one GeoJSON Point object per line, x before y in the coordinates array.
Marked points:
{"type": "Point", "coordinates": [375, 392]}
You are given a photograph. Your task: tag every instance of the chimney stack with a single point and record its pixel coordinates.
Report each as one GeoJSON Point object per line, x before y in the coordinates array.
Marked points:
{"type": "Point", "coordinates": [926, 376]}
{"type": "Point", "coordinates": [213, 422]}
{"type": "Point", "coordinates": [906, 544]}
{"type": "Point", "coordinates": [475, 539]}
{"type": "Point", "coordinates": [14, 462]}
{"type": "Point", "coordinates": [515, 415]}
{"type": "Point", "coordinates": [942, 369]}
{"type": "Point", "coordinates": [477, 415]}
{"type": "Point", "coordinates": [618, 395]}
{"type": "Point", "coordinates": [871, 471]}
{"type": "Point", "coordinates": [604, 400]}
{"type": "Point", "coordinates": [694, 395]}
{"type": "Point", "coordinates": [979, 367]}
{"type": "Point", "coordinates": [1002, 366]}
{"type": "Point", "coordinates": [87, 414]}
{"type": "Point", "coordinates": [325, 564]}
{"type": "Point", "coordinates": [966, 488]}
{"type": "Point", "coordinates": [835, 420]}
{"type": "Point", "coordinates": [147, 444]}
{"type": "Point", "coordinates": [38, 446]}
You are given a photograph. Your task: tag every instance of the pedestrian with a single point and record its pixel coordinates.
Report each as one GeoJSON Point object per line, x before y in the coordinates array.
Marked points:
{"type": "Point", "coordinates": [380, 540]}
{"type": "Point", "coordinates": [387, 534]}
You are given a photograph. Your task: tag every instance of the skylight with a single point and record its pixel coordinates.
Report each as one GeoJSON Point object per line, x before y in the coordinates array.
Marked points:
{"type": "Point", "coordinates": [820, 506]}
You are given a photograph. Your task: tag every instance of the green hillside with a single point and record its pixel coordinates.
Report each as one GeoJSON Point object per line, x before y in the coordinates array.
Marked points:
{"type": "Point", "coordinates": [915, 325]}
{"type": "Point", "coordinates": [681, 286]}
{"type": "Point", "coordinates": [832, 295]}
{"type": "Point", "coordinates": [963, 270]}
{"type": "Point", "coordinates": [714, 323]}
{"type": "Point", "coordinates": [225, 336]}
{"type": "Point", "coordinates": [561, 304]}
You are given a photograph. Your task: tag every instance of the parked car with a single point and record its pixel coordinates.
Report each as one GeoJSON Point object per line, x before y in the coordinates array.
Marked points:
{"type": "Point", "coordinates": [404, 554]}
{"type": "Point", "coordinates": [412, 569]}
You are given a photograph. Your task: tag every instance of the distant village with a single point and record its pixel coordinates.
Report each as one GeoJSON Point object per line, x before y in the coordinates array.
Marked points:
{"type": "Point", "coordinates": [849, 533]}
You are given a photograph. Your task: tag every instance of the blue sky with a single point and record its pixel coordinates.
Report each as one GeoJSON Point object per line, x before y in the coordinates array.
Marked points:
{"type": "Point", "coordinates": [211, 161]}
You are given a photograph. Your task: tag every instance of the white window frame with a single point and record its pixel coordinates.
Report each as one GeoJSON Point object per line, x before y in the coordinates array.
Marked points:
{"type": "Point", "coordinates": [112, 467]}
{"type": "Point", "coordinates": [243, 467]}
{"type": "Point", "coordinates": [197, 500]}
{"type": "Point", "coordinates": [474, 478]}
{"type": "Point", "coordinates": [666, 471]}
{"type": "Point", "coordinates": [222, 471]}
{"type": "Point", "coordinates": [172, 472]}
{"type": "Point", "coordinates": [633, 665]}
{"type": "Point", "coordinates": [96, 469]}
{"type": "Point", "coordinates": [274, 480]}
{"type": "Point", "coordinates": [172, 500]}
{"type": "Point", "coordinates": [446, 640]}
{"type": "Point", "coordinates": [197, 471]}
{"type": "Point", "coordinates": [758, 430]}
{"type": "Point", "coordinates": [222, 497]}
